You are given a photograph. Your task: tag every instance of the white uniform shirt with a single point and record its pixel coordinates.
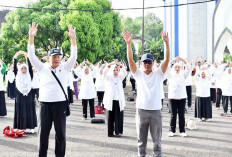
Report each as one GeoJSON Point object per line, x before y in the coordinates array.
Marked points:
{"type": "Point", "coordinates": [50, 90]}
{"type": "Point", "coordinates": [100, 84]}
{"type": "Point", "coordinates": [149, 89]}
{"type": "Point", "coordinates": [203, 85]}
{"type": "Point", "coordinates": [177, 84]}
{"type": "Point", "coordinates": [226, 84]}
{"type": "Point", "coordinates": [114, 90]}
{"type": "Point", "coordinates": [1, 82]}
{"type": "Point", "coordinates": [189, 81]}
{"type": "Point", "coordinates": [35, 81]}
{"type": "Point", "coordinates": [87, 89]}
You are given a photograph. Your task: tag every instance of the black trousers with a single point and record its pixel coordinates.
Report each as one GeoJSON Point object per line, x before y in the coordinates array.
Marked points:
{"type": "Point", "coordinates": [225, 100]}
{"type": "Point", "coordinates": [100, 96]}
{"type": "Point", "coordinates": [177, 106]}
{"type": "Point", "coordinates": [124, 83]}
{"type": "Point", "coordinates": [189, 95]}
{"type": "Point", "coordinates": [35, 93]}
{"type": "Point", "coordinates": [52, 112]}
{"type": "Point", "coordinates": [218, 97]}
{"type": "Point", "coordinates": [91, 106]}
{"type": "Point", "coordinates": [213, 94]}
{"type": "Point", "coordinates": [115, 119]}
{"type": "Point", "coordinates": [132, 83]}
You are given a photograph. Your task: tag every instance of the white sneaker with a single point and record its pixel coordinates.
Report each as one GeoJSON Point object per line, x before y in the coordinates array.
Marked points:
{"type": "Point", "coordinates": [217, 108]}
{"type": "Point", "coordinates": [171, 134]}
{"type": "Point", "coordinates": [32, 131]}
{"type": "Point", "coordinates": [84, 118]}
{"type": "Point", "coordinates": [183, 134]}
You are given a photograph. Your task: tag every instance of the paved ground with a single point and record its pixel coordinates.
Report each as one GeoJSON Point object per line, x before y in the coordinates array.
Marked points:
{"type": "Point", "coordinates": [211, 139]}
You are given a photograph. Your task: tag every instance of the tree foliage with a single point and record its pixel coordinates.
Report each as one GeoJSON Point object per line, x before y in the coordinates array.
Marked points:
{"type": "Point", "coordinates": [152, 28]}
{"type": "Point", "coordinates": [15, 30]}
{"type": "Point", "coordinates": [98, 32]}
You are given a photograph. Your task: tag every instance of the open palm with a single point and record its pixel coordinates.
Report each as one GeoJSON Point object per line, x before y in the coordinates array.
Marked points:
{"type": "Point", "coordinates": [165, 37]}
{"type": "Point", "coordinates": [33, 29]}
{"type": "Point", "coordinates": [127, 36]}
{"type": "Point", "coordinates": [72, 32]}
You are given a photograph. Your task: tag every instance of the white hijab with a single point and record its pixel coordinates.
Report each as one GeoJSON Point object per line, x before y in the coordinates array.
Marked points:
{"type": "Point", "coordinates": [115, 81]}
{"type": "Point", "coordinates": [10, 76]}
{"type": "Point", "coordinates": [23, 81]}
{"type": "Point", "coordinates": [178, 78]}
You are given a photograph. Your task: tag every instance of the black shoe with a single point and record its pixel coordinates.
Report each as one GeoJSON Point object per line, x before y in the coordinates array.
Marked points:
{"type": "Point", "coordinates": [111, 135]}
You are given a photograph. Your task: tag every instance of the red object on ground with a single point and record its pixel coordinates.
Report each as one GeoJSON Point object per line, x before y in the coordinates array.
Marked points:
{"type": "Point", "coordinates": [10, 132]}
{"type": "Point", "coordinates": [98, 110]}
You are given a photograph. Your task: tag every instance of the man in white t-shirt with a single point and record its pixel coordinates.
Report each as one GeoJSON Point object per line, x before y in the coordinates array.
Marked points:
{"type": "Point", "coordinates": [53, 104]}
{"type": "Point", "coordinates": [148, 103]}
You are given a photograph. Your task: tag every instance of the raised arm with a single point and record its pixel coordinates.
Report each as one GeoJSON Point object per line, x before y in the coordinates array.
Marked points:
{"type": "Point", "coordinates": [15, 62]}
{"type": "Point", "coordinates": [72, 59]}
{"type": "Point", "coordinates": [37, 64]}
{"type": "Point", "coordinates": [165, 62]}
{"type": "Point", "coordinates": [128, 37]}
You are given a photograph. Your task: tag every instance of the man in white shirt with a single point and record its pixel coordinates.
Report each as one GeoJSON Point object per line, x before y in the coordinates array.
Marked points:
{"type": "Point", "coordinates": [52, 99]}
{"type": "Point", "coordinates": [148, 96]}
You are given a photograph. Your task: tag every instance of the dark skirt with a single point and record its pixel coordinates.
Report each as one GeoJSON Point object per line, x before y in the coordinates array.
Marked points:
{"type": "Point", "coordinates": [25, 114]}
{"type": "Point", "coordinates": [70, 95]}
{"type": "Point", "coordinates": [2, 104]}
{"type": "Point", "coordinates": [11, 90]}
{"type": "Point", "coordinates": [203, 107]}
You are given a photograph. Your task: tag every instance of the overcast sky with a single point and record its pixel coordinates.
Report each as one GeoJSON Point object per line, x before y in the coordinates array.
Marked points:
{"type": "Point", "coordinates": [115, 4]}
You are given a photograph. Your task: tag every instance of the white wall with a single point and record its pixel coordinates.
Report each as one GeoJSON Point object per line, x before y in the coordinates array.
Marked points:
{"type": "Point", "coordinates": [183, 33]}
{"type": "Point", "coordinates": [197, 30]}
{"type": "Point", "coordinates": [210, 10]}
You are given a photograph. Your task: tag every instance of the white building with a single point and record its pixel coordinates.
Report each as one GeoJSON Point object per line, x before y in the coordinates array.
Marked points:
{"type": "Point", "coordinates": [191, 28]}
{"type": "Point", "coordinates": [222, 28]}
{"type": "Point", "coordinates": [136, 41]}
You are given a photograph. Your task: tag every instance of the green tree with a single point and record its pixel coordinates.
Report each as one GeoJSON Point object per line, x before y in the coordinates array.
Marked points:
{"type": "Point", "coordinates": [15, 30]}
{"type": "Point", "coordinates": [133, 26]}
{"type": "Point", "coordinates": [98, 32]}
{"type": "Point", "coordinates": [155, 47]}
{"type": "Point", "coordinates": [152, 28]}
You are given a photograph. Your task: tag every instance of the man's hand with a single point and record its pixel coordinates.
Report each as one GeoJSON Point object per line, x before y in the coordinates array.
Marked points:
{"type": "Point", "coordinates": [164, 36]}
{"type": "Point", "coordinates": [127, 37]}
{"type": "Point", "coordinates": [72, 34]}
{"type": "Point", "coordinates": [32, 32]}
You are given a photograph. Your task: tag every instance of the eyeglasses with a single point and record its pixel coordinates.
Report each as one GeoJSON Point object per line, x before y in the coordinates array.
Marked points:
{"type": "Point", "coordinates": [147, 62]}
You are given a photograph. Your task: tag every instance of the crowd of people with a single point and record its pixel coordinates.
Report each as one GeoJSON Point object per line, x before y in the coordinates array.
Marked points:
{"type": "Point", "coordinates": [49, 82]}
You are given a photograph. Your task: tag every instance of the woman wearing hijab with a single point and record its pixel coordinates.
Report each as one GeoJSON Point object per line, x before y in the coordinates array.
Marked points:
{"type": "Point", "coordinates": [203, 106]}
{"type": "Point", "coordinates": [227, 89]}
{"type": "Point", "coordinates": [25, 114]}
{"type": "Point", "coordinates": [114, 99]}
{"type": "Point", "coordinates": [2, 92]}
{"type": "Point", "coordinates": [87, 89]}
{"type": "Point", "coordinates": [100, 86]}
{"type": "Point", "coordinates": [11, 83]}
{"type": "Point", "coordinates": [177, 95]}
